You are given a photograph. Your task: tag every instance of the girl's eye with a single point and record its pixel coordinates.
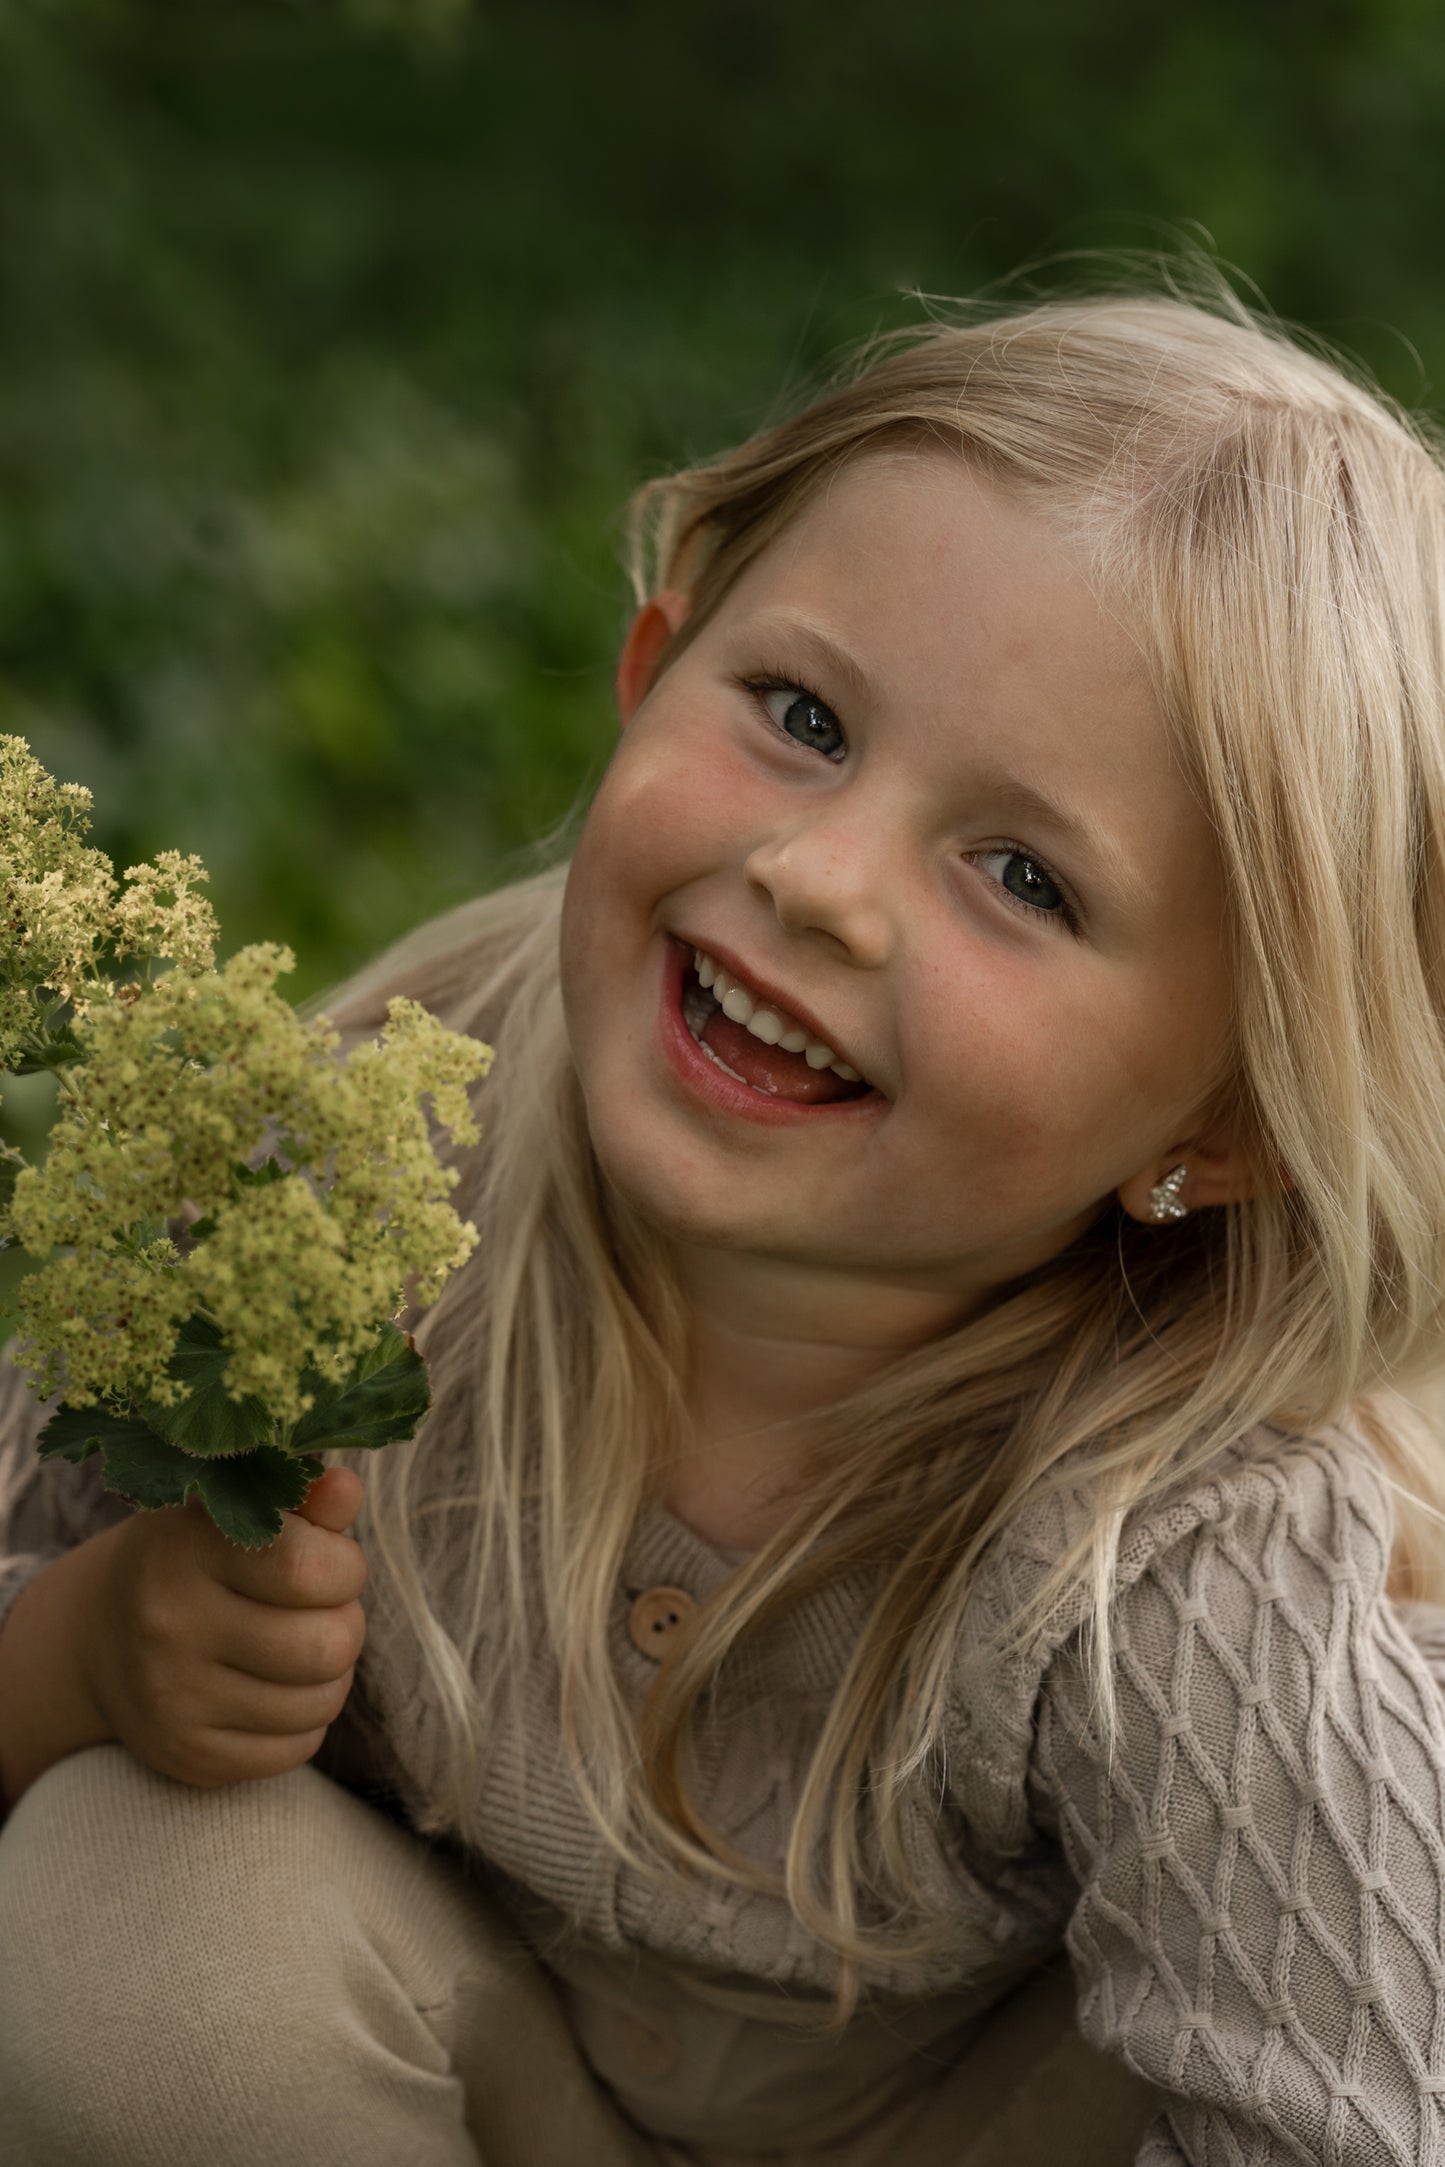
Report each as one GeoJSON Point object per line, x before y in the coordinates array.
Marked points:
{"type": "Point", "coordinates": [802, 716]}
{"type": "Point", "coordinates": [1025, 881]}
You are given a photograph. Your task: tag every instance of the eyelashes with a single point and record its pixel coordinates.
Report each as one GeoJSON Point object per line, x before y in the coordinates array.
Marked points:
{"type": "Point", "coordinates": [1014, 853]}
{"type": "Point", "coordinates": [760, 688]}
{"type": "Point", "coordinates": [1062, 912]}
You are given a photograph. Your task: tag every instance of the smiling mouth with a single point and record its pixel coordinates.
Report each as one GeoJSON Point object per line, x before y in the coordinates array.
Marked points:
{"type": "Point", "coordinates": [749, 1060]}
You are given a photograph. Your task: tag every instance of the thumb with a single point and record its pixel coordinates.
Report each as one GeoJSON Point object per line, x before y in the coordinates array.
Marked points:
{"type": "Point", "coordinates": [334, 1499]}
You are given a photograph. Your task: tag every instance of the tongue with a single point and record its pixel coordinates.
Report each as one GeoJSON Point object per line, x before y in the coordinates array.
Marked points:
{"type": "Point", "coordinates": [768, 1068]}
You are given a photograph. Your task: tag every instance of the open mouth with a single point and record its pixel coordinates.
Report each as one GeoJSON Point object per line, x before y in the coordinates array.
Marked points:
{"type": "Point", "coordinates": [770, 1069]}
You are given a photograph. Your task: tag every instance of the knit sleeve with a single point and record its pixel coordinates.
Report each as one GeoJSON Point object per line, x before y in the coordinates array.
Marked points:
{"type": "Point", "coordinates": [46, 1506]}
{"type": "Point", "coordinates": [1259, 1927]}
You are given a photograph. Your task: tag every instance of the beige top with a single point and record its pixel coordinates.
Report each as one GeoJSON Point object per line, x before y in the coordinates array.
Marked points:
{"type": "Point", "coordinates": [1253, 1902]}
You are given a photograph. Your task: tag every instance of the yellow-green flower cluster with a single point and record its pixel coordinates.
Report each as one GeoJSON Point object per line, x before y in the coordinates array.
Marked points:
{"type": "Point", "coordinates": [184, 1085]}
{"type": "Point", "coordinates": [160, 914]}
{"type": "Point", "coordinates": [55, 894]}
{"type": "Point", "coordinates": [62, 910]}
{"type": "Point", "coordinates": [106, 1316]}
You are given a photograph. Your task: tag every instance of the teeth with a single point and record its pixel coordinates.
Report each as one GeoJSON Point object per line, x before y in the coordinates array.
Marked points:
{"type": "Point", "coordinates": [767, 1024]}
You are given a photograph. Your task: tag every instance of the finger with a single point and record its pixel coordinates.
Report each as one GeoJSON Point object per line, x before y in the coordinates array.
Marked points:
{"type": "Point", "coordinates": [232, 1754]}
{"type": "Point", "coordinates": [334, 1499]}
{"type": "Point", "coordinates": [285, 1711]}
{"type": "Point", "coordinates": [272, 1647]}
{"type": "Point", "coordinates": [221, 1758]}
{"type": "Point", "coordinates": [309, 1568]}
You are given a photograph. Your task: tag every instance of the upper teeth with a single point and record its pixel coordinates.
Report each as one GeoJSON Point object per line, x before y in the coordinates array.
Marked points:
{"type": "Point", "coordinates": [772, 1025]}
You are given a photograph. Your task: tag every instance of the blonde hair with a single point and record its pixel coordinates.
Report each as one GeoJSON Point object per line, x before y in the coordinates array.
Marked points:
{"type": "Point", "coordinates": [1275, 532]}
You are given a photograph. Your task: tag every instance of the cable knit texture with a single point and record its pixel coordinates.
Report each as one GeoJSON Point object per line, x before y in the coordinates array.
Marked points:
{"type": "Point", "coordinates": [1260, 1924]}
{"type": "Point", "coordinates": [1252, 1896]}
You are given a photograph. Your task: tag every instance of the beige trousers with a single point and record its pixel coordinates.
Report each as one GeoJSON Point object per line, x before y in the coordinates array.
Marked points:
{"type": "Point", "coordinates": [277, 1975]}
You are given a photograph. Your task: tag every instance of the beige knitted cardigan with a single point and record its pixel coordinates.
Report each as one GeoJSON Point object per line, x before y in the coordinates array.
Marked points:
{"type": "Point", "coordinates": [1253, 1902]}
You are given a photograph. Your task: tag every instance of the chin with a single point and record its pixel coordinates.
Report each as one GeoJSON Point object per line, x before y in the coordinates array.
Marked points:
{"type": "Point", "coordinates": [665, 1203]}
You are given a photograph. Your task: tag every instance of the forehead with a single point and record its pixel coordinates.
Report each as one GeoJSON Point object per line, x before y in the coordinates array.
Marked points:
{"type": "Point", "coordinates": [912, 560]}
{"type": "Point", "coordinates": [923, 520]}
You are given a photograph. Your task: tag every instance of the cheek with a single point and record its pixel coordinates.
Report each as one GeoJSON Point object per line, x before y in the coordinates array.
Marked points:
{"type": "Point", "coordinates": [651, 828]}
{"type": "Point", "coordinates": [666, 804]}
{"type": "Point", "coordinates": [622, 843]}
{"type": "Point", "coordinates": [1047, 1076]}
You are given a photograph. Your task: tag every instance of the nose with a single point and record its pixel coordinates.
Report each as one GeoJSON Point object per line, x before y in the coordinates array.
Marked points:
{"type": "Point", "coordinates": [828, 876]}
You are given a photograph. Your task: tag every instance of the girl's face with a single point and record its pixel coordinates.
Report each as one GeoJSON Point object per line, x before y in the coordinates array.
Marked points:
{"type": "Point", "coordinates": [910, 787]}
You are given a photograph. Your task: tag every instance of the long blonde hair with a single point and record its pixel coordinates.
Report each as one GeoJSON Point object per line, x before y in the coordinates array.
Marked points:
{"type": "Point", "coordinates": [1275, 531]}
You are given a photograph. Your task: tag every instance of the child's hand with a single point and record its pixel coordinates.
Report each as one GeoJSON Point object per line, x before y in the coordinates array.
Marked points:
{"type": "Point", "coordinates": [217, 1665]}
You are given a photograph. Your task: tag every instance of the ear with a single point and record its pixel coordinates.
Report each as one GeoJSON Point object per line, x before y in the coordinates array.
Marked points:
{"type": "Point", "coordinates": [651, 629]}
{"type": "Point", "coordinates": [1216, 1171]}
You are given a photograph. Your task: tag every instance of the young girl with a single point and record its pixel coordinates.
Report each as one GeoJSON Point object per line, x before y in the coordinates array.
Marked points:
{"type": "Point", "coordinates": [909, 1628]}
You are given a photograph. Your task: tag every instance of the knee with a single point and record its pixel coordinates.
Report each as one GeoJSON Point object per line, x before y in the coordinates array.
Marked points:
{"type": "Point", "coordinates": [62, 1928]}
{"type": "Point", "coordinates": [115, 1880]}
{"type": "Point", "coordinates": [107, 1764]}
{"type": "Point", "coordinates": [87, 1830]}
{"type": "Point", "coordinates": [140, 1916]}
{"type": "Point", "coordinates": [65, 1817]}
{"type": "Point", "coordinates": [71, 1854]}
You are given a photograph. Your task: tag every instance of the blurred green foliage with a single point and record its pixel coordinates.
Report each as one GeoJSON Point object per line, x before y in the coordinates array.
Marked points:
{"type": "Point", "coordinates": [333, 339]}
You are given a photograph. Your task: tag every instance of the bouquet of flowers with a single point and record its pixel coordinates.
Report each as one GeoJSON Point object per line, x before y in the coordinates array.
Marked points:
{"type": "Point", "coordinates": [230, 1213]}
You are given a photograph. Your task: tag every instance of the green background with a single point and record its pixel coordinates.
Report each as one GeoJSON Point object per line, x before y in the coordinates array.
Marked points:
{"type": "Point", "coordinates": [332, 341]}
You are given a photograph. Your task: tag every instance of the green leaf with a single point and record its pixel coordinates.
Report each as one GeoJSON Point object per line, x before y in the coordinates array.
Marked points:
{"type": "Point", "coordinates": [259, 1177]}
{"type": "Point", "coordinates": [39, 1055]}
{"type": "Point", "coordinates": [207, 1420]}
{"type": "Point", "coordinates": [74, 1433]}
{"type": "Point", "coordinates": [246, 1496]}
{"type": "Point", "coordinates": [144, 1468]}
{"type": "Point", "coordinates": [381, 1402]}
{"type": "Point", "coordinates": [138, 1464]}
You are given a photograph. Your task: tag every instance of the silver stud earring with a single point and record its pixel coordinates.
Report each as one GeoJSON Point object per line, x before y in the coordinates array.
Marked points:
{"type": "Point", "coordinates": [1164, 1203]}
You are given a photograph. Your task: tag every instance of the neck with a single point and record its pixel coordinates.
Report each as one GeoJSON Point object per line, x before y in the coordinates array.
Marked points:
{"type": "Point", "coordinates": [769, 1345]}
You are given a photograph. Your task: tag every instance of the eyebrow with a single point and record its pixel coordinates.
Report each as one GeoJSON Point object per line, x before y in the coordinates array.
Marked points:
{"type": "Point", "coordinates": [783, 624]}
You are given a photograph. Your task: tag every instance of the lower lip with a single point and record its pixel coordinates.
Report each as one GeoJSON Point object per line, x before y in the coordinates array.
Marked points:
{"type": "Point", "coordinates": [713, 1085]}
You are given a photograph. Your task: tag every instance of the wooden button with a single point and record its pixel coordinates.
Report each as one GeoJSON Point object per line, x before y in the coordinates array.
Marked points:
{"type": "Point", "coordinates": [658, 1619]}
